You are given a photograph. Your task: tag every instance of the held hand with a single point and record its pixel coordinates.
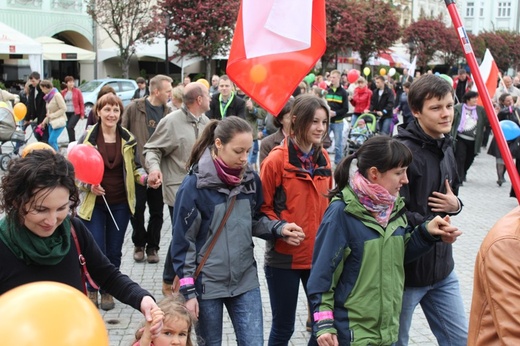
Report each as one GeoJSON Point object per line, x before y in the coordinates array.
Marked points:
{"type": "Point", "coordinates": [155, 179]}
{"type": "Point", "coordinates": [193, 306]}
{"type": "Point", "coordinates": [156, 325]}
{"type": "Point", "coordinates": [444, 203]}
{"type": "Point", "coordinates": [292, 234]}
{"type": "Point", "coordinates": [441, 227]}
{"type": "Point", "coordinates": [328, 339]}
{"type": "Point", "coordinates": [97, 190]}
{"type": "Point", "coordinates": [147, 307]}
{"type": "Point", "coordinates": [332, 114]}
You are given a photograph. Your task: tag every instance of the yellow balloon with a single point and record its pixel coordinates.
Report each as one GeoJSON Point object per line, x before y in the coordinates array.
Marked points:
{"type": "Point", "coordinates": [36, 146]}
{"type": "Point", "coordinates": [382, 71]}
{"type": "Point", "coordinates": [50, 314]}
{"type": "Point", "coordinates": [366, 71]}
{"type": "Point", "coordinates": [203, 81]}
{"type": "Point", "coordinates": [19, 110]}
{"type": "Point", "coordinates": [3, 104]}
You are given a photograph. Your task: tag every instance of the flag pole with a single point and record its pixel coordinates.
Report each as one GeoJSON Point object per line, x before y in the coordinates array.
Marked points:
{"type": "Point", "coordinates": [486, 99]}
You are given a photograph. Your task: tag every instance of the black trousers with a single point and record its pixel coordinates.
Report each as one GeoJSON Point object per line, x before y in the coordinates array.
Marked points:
{"type": "Point", "coordinates": [149, 237]}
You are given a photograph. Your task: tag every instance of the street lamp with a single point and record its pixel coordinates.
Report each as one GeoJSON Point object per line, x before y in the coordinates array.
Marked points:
{"type": "Point", "coordinates": [411, 47]}
{"type": "Point", "coordinates": [166, 37]}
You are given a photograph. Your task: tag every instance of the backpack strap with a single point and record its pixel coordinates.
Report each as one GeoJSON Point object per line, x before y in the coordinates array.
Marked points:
{"type": "Point", "coordinates": [83, 262]}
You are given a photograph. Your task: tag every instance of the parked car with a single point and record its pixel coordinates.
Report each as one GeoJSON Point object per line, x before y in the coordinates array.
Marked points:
{"type": "Point", "coordinates": [124, 88]}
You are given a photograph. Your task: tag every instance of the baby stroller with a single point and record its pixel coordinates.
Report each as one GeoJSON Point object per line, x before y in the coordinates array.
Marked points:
{"type": "Point", "coordinates": [11, 137]}
{"type": "Point", "coordinates": [358, 135]}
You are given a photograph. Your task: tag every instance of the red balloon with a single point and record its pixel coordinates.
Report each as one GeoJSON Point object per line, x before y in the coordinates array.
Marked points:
{"type": "Point", "coordinates": [352, 76]}
{"type": "Point", "coordinates": [88, 164]}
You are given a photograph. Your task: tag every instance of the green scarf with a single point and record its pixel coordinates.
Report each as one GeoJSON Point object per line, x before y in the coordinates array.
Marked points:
{"type": "Point", "coordinates": [33, 249]}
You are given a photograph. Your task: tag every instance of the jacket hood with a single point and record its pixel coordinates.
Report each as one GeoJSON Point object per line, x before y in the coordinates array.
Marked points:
{"type": "Point", "coordinates": [207, 177]}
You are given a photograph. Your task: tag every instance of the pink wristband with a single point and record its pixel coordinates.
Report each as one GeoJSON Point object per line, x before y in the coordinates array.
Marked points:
{"type": "Point", "coordinates": [323, 315]}
{"type": "Point", "coordinates": [186, 281]}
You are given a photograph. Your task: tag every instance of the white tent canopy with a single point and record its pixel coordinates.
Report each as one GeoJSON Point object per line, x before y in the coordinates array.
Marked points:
{"type": "Point", "coordinates": [57, 50]}
{"type": "Point", "coordinates": [156, 50]}
{"type": "Point", "coordinates": [14, 42]}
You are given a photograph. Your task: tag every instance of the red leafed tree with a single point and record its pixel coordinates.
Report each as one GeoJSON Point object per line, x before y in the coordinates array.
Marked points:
{"type": "Point", "coordinates": [512, 40]}
{"type": "Point", "coordinates": [341, 34]}
{"type": "Point", "coordinates": [498, 48]}
{"type": "Point", "coordinates": [378, 23]}
{"type": "Point", "coordinates": [201, 28]}
{"type": "Point", "coordinates": [451, 50]}
{"type": "Point", "coordinates": [429, 36]}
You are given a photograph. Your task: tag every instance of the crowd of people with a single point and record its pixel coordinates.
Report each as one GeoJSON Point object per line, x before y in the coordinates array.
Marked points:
{"type": "Point", "coordinates": [367, 234]}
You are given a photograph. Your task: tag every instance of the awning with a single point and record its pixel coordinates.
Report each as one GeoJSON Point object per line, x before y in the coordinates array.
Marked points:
{"type": "Point", "coordinates": [14, 44]}
{"type": "Point", "coordinates": [57, 50]}
{"type": "Point", "coordinates": [154, 50]}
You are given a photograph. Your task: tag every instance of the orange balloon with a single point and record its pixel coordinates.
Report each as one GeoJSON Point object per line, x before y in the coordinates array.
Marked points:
{"type": "Point", "coordinates": [50, 314]}
{"type": "Point", "coordinates": [36, 146]}
{"type": "Point", "coordinates": [258, 73]}
{"type": "Point", "coordinates": [203, 81]}
{"type": "Point", "coordinates": [382, 71]}
{"type": "Point", "coordinates": [19, 110]}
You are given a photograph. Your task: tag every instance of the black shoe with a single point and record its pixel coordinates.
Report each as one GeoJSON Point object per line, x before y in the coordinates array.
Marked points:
{"type": "Point", "coordinates": [499, 182]}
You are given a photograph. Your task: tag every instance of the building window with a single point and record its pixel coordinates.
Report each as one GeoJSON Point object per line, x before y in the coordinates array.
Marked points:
{"type": "Point", "coordinates": [504, 9]}
{"type": "Point", "coordinates": [482, 9]}
{"type": "Point", "coordinates": [470, 9]}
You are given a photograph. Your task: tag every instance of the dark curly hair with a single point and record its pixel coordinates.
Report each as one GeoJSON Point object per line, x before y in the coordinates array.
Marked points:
{"type": "Point", "coordinates": [26, 176]}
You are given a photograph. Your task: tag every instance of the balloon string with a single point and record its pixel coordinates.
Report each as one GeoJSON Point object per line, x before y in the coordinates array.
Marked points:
{"type": "Point", "coordinates": [106, 203]}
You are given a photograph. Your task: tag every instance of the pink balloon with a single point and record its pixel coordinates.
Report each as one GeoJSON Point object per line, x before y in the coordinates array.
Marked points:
{"type": "Point", "coordinates": [352, 76]}
{"type": "Point", "coordinates": [88, 163]}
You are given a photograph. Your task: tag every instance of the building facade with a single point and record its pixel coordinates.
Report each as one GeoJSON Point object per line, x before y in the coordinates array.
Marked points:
{"type": "Point", "coordinates": [485, 15]}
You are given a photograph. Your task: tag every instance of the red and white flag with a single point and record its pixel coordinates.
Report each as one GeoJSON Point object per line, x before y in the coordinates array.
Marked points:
{"type": "Point", "coordinates": [276, 44]}
{"type": "Point", "coordinates": [489, 72]}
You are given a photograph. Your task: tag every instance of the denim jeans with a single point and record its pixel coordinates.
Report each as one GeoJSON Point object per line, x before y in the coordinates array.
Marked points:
{"type": "Point", "coordinates": [105, 233]}
{"type": "Point", "coordinates": [253, 154]}
{"type": "Point", "coordinates": [442, 305]}
{"type": "Point", "coordinates": [283, 285]}
{"type": "Point", "coordinates": [337, 128]}
{"type": "Point", "coordinates": [53, 137]}
{"type": "Point", "coordinates": [384, 126]}
{"type": "Point", "coordinates": [245, 312]}
{"type": "Point", "coordinates": [147, 236]}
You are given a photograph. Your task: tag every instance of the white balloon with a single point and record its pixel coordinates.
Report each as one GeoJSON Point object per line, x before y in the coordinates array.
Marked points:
{"type": "Point", "coordinates": [391, 72]}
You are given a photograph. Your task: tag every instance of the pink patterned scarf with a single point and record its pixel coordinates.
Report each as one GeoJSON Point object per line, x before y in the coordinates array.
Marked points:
{"type": "Point", "coordinates": [374, 198]}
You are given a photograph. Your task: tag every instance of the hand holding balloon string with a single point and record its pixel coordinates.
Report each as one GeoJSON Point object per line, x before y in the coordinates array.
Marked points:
{"type": "Point", "coordinates": [89, 168]}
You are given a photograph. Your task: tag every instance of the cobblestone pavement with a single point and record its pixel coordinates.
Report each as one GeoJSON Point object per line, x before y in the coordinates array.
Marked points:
{"type": "Point", "coordinates": [484, 204]}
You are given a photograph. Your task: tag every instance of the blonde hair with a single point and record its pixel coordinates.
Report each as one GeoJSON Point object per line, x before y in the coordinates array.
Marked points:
{"type": "Point", "coordinates": [174, 309]}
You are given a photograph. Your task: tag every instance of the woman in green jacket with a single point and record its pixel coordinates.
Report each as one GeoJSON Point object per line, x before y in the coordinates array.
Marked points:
{"type": "Point", "coordinates": [117, 146]}
{"type": "Point", "coordinates": [357, 276]}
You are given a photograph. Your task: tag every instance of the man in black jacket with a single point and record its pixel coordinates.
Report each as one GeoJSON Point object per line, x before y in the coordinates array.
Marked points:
{"type": "Point", "coordinates": [36, 107]}
{"type": "Point", "coordinates": [142, 90]}
{"type": "Point", "coordinates": [337, 99]}
{"type": "Point", "coordinates": [382, 104]}
{"type": "Point", "coordinates": [432, 189]}
{"type": "Point", "coordinates": [226, 103]}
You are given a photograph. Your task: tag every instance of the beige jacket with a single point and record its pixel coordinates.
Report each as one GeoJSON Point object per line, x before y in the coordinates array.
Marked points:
{"type": "Point", "coordinates": [495, 307]}
{"type": "Point", "coordinates": [56, 110]}
{"type": "Point", "coordinates": [169, 148]}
